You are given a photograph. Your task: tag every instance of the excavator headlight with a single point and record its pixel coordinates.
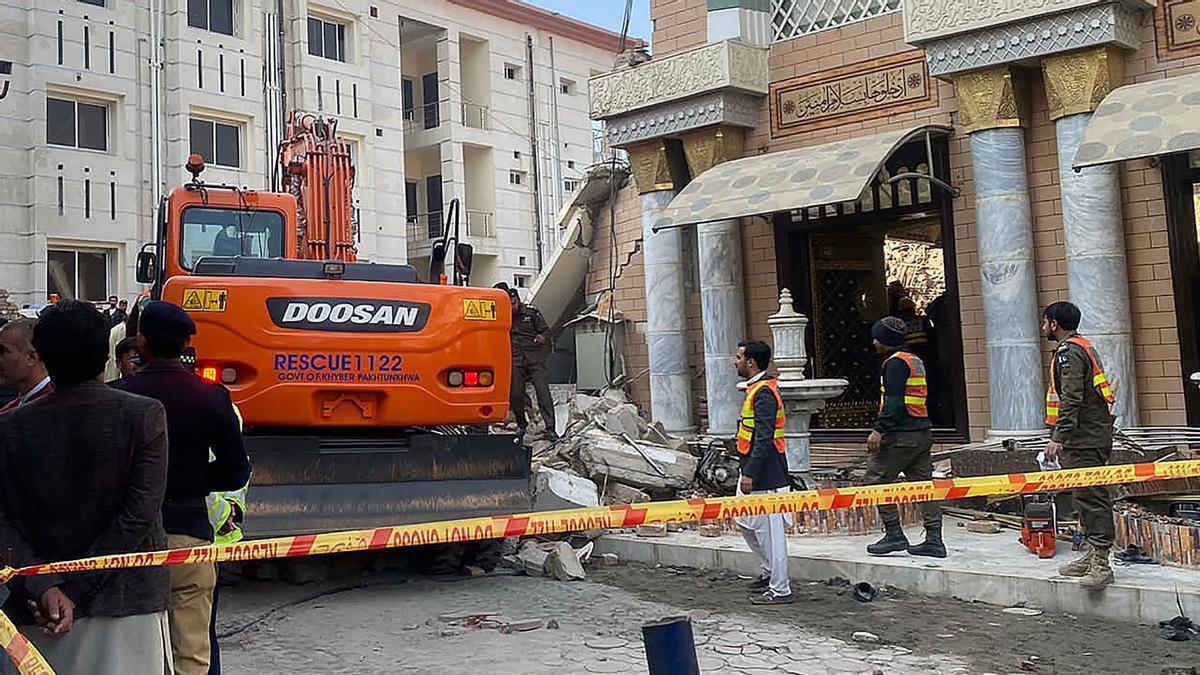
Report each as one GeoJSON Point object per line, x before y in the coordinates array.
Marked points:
{"type": "Point", "coordinates": [454, 378]}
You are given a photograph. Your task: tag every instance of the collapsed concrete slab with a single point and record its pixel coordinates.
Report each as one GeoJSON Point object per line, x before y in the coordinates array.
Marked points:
{"type": "Point", "coordinates": [554, 489]}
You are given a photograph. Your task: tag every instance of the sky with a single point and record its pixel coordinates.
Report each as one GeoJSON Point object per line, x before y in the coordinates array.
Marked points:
{"type": "Point", "coordinates": [604, 13]}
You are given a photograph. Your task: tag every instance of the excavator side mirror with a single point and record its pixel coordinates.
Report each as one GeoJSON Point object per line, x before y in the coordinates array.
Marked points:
{"type": "Point", "coordinates": [147, 267]}
{"type": "Point", "coordinates": [437, 262]}
{"type": "Point", "coordinates": [464, 258]}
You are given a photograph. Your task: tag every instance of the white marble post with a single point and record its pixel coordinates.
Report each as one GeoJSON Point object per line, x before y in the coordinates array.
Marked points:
{"type": "Point", "coordinates": [666, 339]}
{"type": "Point", "coordinates": [723, 313]}
{"type": "Point", "coordinates": [1010, 312]}
{"type": "Point", "coordinates": [1096, 271]}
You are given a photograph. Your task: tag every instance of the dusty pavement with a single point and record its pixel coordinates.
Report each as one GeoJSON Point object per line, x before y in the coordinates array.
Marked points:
{"type": "Point", "coordinates": [391, 623]}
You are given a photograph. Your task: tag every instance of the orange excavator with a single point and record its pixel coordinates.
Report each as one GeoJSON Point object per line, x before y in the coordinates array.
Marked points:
{"type": "Point", "coordinates": [365, 391]}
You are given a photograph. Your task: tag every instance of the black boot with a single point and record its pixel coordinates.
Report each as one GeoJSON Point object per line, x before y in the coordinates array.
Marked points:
{"type": "Point", "coordinates": [893, 540]}
{"type": "Point", "coordinates": [932, 547]}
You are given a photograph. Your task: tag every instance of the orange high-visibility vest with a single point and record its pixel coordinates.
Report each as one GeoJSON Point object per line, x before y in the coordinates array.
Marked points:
{"type": "Point", "coordinates": [916, 391]}
{"type": "Point", "coordinates": [1099, 382]}
{"type": "Point", "coordinates": [746, 426]}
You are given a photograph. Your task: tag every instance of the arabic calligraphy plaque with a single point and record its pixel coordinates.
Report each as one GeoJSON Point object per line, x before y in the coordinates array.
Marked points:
{"type": "Point", "coordinates": [854, 93]}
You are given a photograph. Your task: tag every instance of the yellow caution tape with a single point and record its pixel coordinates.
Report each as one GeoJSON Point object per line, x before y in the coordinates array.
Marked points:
{"type": "Point", "coordinates": [28, 659]}
{"type": "Point", "coordinates": [621, 516]}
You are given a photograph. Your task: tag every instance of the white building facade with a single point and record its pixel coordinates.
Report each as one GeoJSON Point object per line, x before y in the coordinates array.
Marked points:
{"type": "Point", "coordinates": [480, 100]}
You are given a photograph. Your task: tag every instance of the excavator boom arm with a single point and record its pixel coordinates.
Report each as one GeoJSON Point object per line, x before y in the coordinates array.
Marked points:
{"type": "Point", "coordinates": [317, 171]}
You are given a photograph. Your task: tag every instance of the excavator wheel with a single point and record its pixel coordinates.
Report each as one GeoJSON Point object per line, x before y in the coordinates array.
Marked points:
{"type": "Point", "coordinates": [484, 554]}
{"type": "Point", "coordinates": [444, 559]}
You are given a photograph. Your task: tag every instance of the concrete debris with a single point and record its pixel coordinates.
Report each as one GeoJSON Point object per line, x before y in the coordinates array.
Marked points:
{"type": "Point", "coordinates": [710, 530]}
{"type": "Point", "coordinates": [521, 626]}
{"type": "Point", "coordinates": [533, 559]}
{"type": "Point", "coordinates": [983, 527]}
{"type": "Point", "coordinates": [554, 489]}
{"type": "Point", "coordinates": [652, 530]}
{"type": "Point", "coordinates": [563, 564]}
{"type": "Point", "coordinates": [636, 463]}
{"type": "Point", "coordinates": [608, 559]}
{"type": "Point", "coordinates": [474, 571]}
{"type": "Point", "coordinates": [618, 493]}
{"type": "Point", "coordinates": [1023, 611]}
{"type": "Point", "coordinates": [863, 636]}
{"type": "Point", "coordinates": [675, 527]}
{"type": "Point", "coordinates": [552, 624]}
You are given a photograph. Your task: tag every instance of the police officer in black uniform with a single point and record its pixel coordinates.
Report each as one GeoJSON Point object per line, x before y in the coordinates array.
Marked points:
{"type": "Point", "coordinates": [530, 337]}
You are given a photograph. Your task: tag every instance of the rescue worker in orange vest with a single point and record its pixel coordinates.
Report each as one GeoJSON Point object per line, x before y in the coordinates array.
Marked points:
{"type": "Point", "coordinates": [902, 439]}
{"type": "Point", "coordinates": [760, 444]}
{"type": "Point", "coordinates": [1079, 414]}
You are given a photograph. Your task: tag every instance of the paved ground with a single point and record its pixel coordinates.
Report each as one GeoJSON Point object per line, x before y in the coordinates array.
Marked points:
{"type": "Point", "coordinates": [989, 568]}
{"type": "Point", "coordinates": [391, 623]}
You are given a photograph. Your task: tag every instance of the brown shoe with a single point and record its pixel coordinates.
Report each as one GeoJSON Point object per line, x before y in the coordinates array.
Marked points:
{"type": "Point", "coordinates": [1099, 574]}
{"type": "Point", "coordinates": [1078, 567]}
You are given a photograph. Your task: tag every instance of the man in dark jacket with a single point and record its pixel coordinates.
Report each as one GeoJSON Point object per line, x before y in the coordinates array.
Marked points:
{"type": "Point", "coordinates": [530, 337]}
{"type": "Point", "coordinates": [1079, 414]}
{"type": "Point", "coordinates": [199, 417]}
{"type": "Point", "coordinates": [760, 444]}
{"type": "Point", "coordinates": [82, 473]}
{"type": "Point", "coordinates": [902, 439]}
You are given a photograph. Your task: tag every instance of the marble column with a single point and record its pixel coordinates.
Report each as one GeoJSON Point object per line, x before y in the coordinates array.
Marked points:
{"type": "Point", "coordinates": [723, 308]}
{"type": "Point", "coordinates": [666, 321]}
{"type": "Point", "coordinates": [990, 110]}
{"type": "Point", "coordinates": [722, 290]}
{"type": "Point", "coordinates": [1092, 226]}
{"type": "Point", "coordinates": [662, 257]}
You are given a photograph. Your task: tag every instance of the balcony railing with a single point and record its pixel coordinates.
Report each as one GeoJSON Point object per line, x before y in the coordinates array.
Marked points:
{"type": "Point", "coordinates": [425, 226]}
{"type": "Point", "coordinates": [476, 116]}
{"type": "Point", "coordinates": [428, 116]}
{"type": "Point", "coordinates": [481, 224]}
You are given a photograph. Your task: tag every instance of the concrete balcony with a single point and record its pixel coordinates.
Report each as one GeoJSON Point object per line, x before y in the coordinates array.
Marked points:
{"type": "Point", "coordinates": [476, 116]}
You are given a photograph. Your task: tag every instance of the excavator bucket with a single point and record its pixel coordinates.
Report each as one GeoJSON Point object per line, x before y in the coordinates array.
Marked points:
{"type": "Point", "coordinates": [309, 484]}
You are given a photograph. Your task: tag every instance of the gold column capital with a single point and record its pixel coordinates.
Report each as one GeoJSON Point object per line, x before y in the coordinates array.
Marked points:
{"type": "Point", "coordinates": [710, 146]}
{"type": "Point", "coordinates": [992, 98]}
{"type": "Point", "coordinates": [648, 160]}
{"type": "Point", "coordinates": [1076, 82]}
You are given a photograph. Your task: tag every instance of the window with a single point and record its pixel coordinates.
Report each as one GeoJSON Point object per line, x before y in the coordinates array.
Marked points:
{"type": "Point", "coordinates": [98, 3]}
{"type": "Point", "coordinates": [218, 143]}
{"type": "Point", "coordinates": [521, 280]}
{"type": "Point", "coordinates": [511, 72]}
{"type": "Point", "coordinates": [229, 232]}
{"type": "Point", "coordinates": [516, 154]}
{"type": "Point", "coordinates": [80, 274]}
{"type": "Point", "coordinates": [326, 39]}
{"type": "Point", "coordinates": [76, 124]}
{"type": "Point", "coordinates": [516, 177]}
{"type": "Point", "coordinates": [521, 260]}
{"type": "Point", "coordinates": [570, 164]}
{"type": "Point", "coordinates": [567, 87]}
{"type": "Point", "coordinates": [570, 184]}
{"type": "Point", "coordinates": [213, 15]}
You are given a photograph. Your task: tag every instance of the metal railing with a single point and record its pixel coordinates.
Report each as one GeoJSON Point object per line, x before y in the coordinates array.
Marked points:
{"type": "Point", "coordinates": [481, 224]}
{"type": "Point", "coordinates": [428, 116]}
{"type": "Point", "coordinates": [424, 226]}
{"type": "Point", "coordinates": [793, 18]}
{"type": "Point", "coordinates": [476, 116]}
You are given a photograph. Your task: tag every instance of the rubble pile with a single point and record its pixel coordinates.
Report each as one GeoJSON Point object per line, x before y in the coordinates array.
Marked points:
{"type": "Point", "coordinates": [606, 454]}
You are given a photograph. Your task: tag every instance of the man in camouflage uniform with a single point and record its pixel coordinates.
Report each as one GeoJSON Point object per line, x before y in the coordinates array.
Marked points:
{"type": "Point", "coordinates": [1079, 414]}
{"type": "Point", "coordinates": [530, 336]}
